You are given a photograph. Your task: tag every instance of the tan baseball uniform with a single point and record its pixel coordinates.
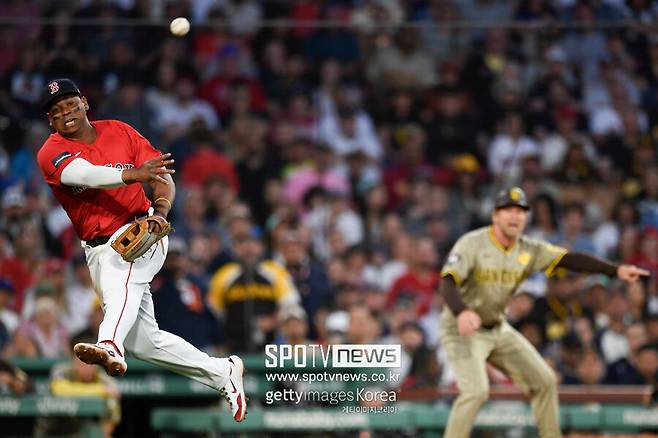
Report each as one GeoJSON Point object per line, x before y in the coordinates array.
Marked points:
{"type": "Point", "coordinates": [487, 276]}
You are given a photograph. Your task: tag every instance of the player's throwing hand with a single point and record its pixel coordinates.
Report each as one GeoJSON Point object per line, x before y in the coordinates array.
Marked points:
{"type": "Point", "coordinates": [631, 273]}
{"type": "Point", "coordinates": [468, 322]}
{"type": "Point", "coordinates": [150, 170]}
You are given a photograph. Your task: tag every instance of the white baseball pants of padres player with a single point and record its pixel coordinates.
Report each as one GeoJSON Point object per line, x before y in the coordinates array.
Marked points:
{"type": "Point", "coordinates": [129, 320]}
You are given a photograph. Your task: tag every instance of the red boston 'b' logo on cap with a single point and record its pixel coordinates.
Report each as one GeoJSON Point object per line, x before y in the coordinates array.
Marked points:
{"type": "Point", "coordinates": [54, 87]}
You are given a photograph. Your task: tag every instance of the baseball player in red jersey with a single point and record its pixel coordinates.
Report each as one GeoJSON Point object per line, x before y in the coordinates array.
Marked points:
{"type": "Point", "coordinates": [96, 170]}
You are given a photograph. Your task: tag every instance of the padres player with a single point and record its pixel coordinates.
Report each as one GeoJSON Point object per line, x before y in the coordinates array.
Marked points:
{"type": "Point", "coordinates": [480, 276]}
{"type": "Point", "coordinates": [96, 170]}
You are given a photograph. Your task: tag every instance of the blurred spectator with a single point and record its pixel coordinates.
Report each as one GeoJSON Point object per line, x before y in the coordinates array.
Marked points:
{"type": "Point", "coordinates": [570, 355]}
{"type": "Point", "coordinates": [77, 379]}
{"type": "Point", "coordinates": [590, 370]}
{"type": "Point", "coordinates": [396, 266]}
{"type": "Point", "coordinates": [25, 80]}
{"type": "Point", "coordinates": [572, 234]}
{"type": "Point", "coordinates": [43, 335]}
{"type": "Point", "coordinates": [256, 164]}
{"type": "Point", "coordinates": [411, 164]}
{"type": "Point", "coordinates": [560, 306]}
{"type": "Point", "coordinates": [334, 42]}
{"type": "Point", "coordinates": [350, 130]}
{"type": "Point", "coordinates": [294, 326]}
{"type": "Point", "coordinates": [180, 301]}
{"type": "Point", "coordinates": [309, 277]}
{"type": "Point", "coordinates": [595, 299]}
{"type": "Point", "coordinates": [444, 41]}
{"type": "Point", "coordinates": [206, 162]}
{"type": "Point", "coordinates": [640, 369]}
{"type": "Point", "coordinates": [321, 172]}
{"type": "Point", "coordinates": [420, 367]}
{"type": "Point", "coordinates": [508, 149]}
{"type": "Point", "coordinates": [404, 64]}
{"type": "Point", "coordinates": [450, 132]}
{"type": "Point", "coordinates": [244, 16]}
{"type": "Point", "coordinates": [220, 90]}
{"type": "Point", "coordinates": [14, 379]}
{"type": "Point", "coordinates": [585, 46]}
{"type": "Point", "coordinates": [614, 342]}
{"type": "Point", "coordinates": [375, 206]}
{"type": "Point", "coordinates": [248, 293]}
{"type": "Point", "coordinates": [52, 281]}
{"type": "Point", "coordinates": [554, 147]}
{"type": "Point", "coordinates": [80, 297]}
{"type": "Point", "coordinates": [8, 319]}
{"type": "Point", "coordinates": [129, 105]}
{"type": "Point", "coordinates": [421, 281]}
{"type": "Point", "coordinates": [363, 326]}
{"type": "Point", "coordinates": [333, 224]}
{"type": "Point", "coordinates": [544, 220]}
{"type": "Point", "coordinates": [175, 116]}
{"type": "Point", "coordinates": [622, 371]}
{"type": "Point", "coordinates": [14, 211]}
{"type": "Point", "coordinates": [576, 167]}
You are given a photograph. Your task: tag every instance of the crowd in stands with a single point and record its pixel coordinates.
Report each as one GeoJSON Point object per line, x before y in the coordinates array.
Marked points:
{"type": "Point", "coordinates": [323, 172]}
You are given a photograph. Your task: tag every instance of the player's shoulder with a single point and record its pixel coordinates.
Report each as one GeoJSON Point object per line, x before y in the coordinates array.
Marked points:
{"type": "Point", "coordinates": [113, 124]}
{"type": "Point", "coordinates": [54, 143]}
{"type": "Point", "coordinates": [526, 241]}
{"type": "Point", "coordinates": [474, 236]}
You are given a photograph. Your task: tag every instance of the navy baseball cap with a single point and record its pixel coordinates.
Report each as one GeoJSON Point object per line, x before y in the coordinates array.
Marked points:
{"type": "Point", "coordinates": [512, 196]}
{"type": "Point", "coordinates": [56, 89]}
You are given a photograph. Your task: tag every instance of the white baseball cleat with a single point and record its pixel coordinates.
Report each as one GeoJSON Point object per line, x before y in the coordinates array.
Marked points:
{"type": "Point", "coordinates": [233, 390]}
{"type": "Point", "coordinates": [93, 354]}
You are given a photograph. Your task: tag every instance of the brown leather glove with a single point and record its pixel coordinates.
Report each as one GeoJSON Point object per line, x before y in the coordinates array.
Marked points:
{"type": "Point", "coordinates": [141, 235]}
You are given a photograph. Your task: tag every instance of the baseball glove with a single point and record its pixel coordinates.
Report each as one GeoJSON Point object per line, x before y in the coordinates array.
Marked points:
{"type": "Point", "coordinates": [140, 236]}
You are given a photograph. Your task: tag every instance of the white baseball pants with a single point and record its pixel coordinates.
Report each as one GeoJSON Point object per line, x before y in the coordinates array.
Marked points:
{"type": "Point", "coordinates": [129, 321]}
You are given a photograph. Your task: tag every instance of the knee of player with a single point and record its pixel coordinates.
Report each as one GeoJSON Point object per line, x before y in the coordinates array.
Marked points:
{"type": "Point", "coordinates": [547, 381]}
{"type": "Point", "coordinates": [476, 396]}
{"type": "Point", "coordinates": [146, 346]}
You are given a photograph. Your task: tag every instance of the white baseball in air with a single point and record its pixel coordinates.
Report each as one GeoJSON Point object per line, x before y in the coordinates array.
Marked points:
{"type": "Point", "coordinates": [179, 26]}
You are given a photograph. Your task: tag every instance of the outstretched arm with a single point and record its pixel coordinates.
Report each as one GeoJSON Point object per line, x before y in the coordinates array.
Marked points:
{"type": "Point", "coordinates": [82, 173]}
{"type": "Point", "coordinates": [581, 262]}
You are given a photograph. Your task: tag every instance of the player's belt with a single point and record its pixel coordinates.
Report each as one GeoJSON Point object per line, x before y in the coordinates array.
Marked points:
{"type": "Point", "coordinates": [102, 240]}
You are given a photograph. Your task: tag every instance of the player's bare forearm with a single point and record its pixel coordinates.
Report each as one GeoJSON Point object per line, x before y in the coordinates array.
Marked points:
{"type": "Point", "coordinates": [163, 195]}
{"type": "Point", "coordinates": [581, 262]}
{"type": "Point", "coordinates": [150, 171]}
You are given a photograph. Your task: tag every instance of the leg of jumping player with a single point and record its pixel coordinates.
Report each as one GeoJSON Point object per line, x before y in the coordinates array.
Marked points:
{"type": "Point", "coordinates": [130, 323]}
{"type": "Point", "coordinates": [120, 286]}
{"type": "Point", "coordinates": [147, 342]}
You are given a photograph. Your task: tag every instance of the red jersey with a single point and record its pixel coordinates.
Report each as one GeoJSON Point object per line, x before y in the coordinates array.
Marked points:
{"type": "Point", "coordinates": [98, 212]}
{"type": "Point", "coordinates": [421, 290]}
